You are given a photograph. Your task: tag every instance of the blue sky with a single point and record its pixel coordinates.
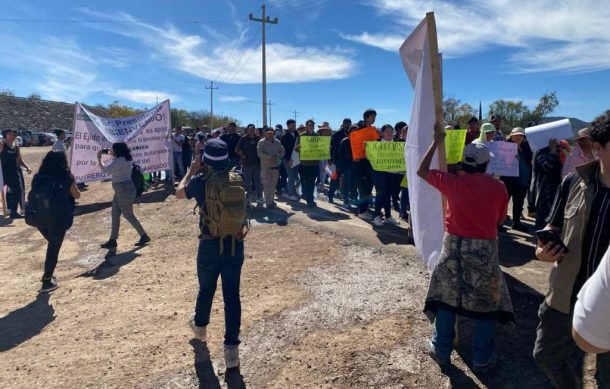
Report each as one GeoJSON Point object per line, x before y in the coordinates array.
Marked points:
{"type": "Point", "coordinates": [327, 59]}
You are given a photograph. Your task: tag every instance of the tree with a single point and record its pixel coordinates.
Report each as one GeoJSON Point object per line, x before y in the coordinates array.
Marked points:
{"type": "Point", "coordinates": [456, 112]}
{"type": "Point", "coordinates": [35, 96]}
{"type": "Point", "coordinates": [517, 114]}
{"type": "Point", "coordinates": [547, 104]}
{"type": "Point", "coordinates": [7, 93]}
{"type": "Point", "coordinates": [116, 110]}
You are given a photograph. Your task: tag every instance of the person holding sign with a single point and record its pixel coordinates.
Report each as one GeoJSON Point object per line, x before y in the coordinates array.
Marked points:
{"type": "Point", "coordinates": [468, 280]}
{"type": "Point", "coordinates": [120, 167]}
{"type": "Point", "coordinates": [385, 184]}
{"type": "Point", "coordinates": [362, 169]}
{"type": "Point", "coordinates": [517, 186]}
{"type": "Point", "coordinates": [308, 169]}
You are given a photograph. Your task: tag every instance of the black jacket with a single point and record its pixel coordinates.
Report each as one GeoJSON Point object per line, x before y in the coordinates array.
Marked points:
{"type": "Point", "coordinates": [335, 141]}
{"type": "Point", "coordinates": [288, 140]}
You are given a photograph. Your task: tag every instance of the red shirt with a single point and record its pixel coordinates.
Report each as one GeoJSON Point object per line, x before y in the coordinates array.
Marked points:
{"type": "Point", "coordinates": [476, 203]}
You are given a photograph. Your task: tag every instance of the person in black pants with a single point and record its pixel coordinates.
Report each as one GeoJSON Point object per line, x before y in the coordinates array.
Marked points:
{"type": "Point", "coordinates": [362, 172]}
{"type": "Point", "coordinates": [54, 169]}
{"type": "Point", "coordinates": [309, 170]}
{"type": "Point", "coordinates": [10, 156]}
{"type": "Point", "coordinates": [517, 186]}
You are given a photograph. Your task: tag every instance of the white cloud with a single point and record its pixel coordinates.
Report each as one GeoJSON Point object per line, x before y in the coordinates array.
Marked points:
{"type": "Point", "coordinates": [231, 99]}
{"type": "Point", "coordinates": [142, 96]}
{"type": "Point", "coordinates": [543, 35]}
{"type": "Point", "coordinates": [205, 57]}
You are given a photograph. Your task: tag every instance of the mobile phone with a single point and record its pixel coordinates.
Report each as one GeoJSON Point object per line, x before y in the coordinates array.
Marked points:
{"type": "Point", "coordinates": [105, 151]}
{"type": "Point", "coordinates": [546, 236]}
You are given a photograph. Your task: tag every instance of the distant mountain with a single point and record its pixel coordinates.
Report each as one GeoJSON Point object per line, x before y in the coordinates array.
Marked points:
{"type": "Point", "coordinates": [577, 124]}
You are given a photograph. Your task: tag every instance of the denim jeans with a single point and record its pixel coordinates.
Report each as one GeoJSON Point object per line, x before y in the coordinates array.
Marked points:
{"type": "Point", "coordinates": [382, 181]}
{"type": "Point", "coordinates": [292, 173]}
{"type": "Point", "coordinates": [178, 165]}
{"type": "Point", "coordinates": [482, 337]}
{"type": "Point", "coordinates": [362, 174]}
{"type": "Point", "coordinates": [308, 177]}
{"type": "Point", "coordinates": [344, 179]}
{"type": "Point", "coordinates": [210, 265]}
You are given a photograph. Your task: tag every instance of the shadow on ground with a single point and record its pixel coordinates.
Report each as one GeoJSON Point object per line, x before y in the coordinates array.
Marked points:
{"type": "Point", "coordinates": [205, 370]}
{"type": "Point", "coordinates": [24, 323]}
{"type": "Point", "coordinates": [157, 196]}
{"type": "Point", "coordinates": [112, 265]}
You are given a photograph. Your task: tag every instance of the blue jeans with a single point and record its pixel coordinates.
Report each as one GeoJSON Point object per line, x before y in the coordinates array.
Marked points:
{"type": "Point", "coordinates": [292, 173]}
{"type": "Point", "coordinates": [382, 181]}
{"type": "Point", "coordinates": [210, 265]}
{"type": "Point", "coordinates": [482, 337]}
{"type": "Point", "coordinates": [405, 205]}
{"type": "Point", "coordinates": [178, 165]}
{"type": "Point", "coordinates": [344, 179]}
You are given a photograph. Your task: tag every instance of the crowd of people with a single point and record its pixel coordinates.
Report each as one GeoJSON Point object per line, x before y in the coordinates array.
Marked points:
{"type": "Point", "coordinates": [567, 188]}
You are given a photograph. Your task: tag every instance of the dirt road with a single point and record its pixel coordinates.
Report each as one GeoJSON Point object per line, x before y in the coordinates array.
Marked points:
{"type": "Point", "coordinates": [327, 302]}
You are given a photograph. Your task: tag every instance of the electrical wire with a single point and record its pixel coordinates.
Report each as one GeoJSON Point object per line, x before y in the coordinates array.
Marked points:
{"type": "Point", "coordinates": [237, 40]}
{"type": "Point", "coordinates": [313, 4]}
{"type": "Point", "coordinates": [243, 54]}
{"type": "Point", "coordinates": [118, 21]}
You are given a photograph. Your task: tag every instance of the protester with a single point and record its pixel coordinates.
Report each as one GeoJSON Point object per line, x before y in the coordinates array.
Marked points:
{"type": "Point", "coordinates": [288, 141]}
{"type": "Point", "coordinates": [55, 180]}
{"type": "Point", "coordinates": [217, 132]}
{"type": "Point", "coordinates": [405, 206]}
{"type": "Point", "coordinates": [579, 216]}
{"type": "Point", "coordinates": [200, 142]}
{"type": "Point", "coordinates": [487, 133]}
{"type": "Point", "coordinates": [468, 280]}
{"type": "Point", "coordinates": [177, 139]}
{"type": "Point", "coordinates": [59, 144]}
{"type": "Point", "coordinates": [282, 182]}
{"type": "Point", "coordinates": [10, 156]}
{"type": "Point", "coordinates": [124, 189]}
{"type": "Point", "coordinates": [271, 152]}
{"type": "Point", "coordinates": [217, 254]}
{"type": "Point", "coordinates": [231, 138]}
{"type": "Point", "coordinates": [517, 186]}
{"type": "Point", "coordinates": [335, 141]}
{"type": "Point", "coordinates": [547, 177]}
{"type": "Point", "coordinates": [308, 169]}
{"type": "Point", "coordinates": [581, 154]}
{"type": "Point", "coordinates": [250, 164]}
{"type": "Point", "coordinates": [362, 170]}
{"type": "Point", "coordinates": [385, 184]}
{"type": "Point", "coordinates": [187, 150]}
{"type": "Point", "coordinates": [349, 188]}
{"type": "Point", "coordinates": [323, 130]}
{"type": "Point", "coordinates": [473, 131]}
{"type": "Point", "coordinates": [496, 120]}
{"type": "Point", "coordinates": [591, 331]}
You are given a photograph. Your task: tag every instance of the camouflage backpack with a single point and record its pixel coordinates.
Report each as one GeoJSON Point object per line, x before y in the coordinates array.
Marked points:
{"type": "Point", "coordinates": [225, 206]}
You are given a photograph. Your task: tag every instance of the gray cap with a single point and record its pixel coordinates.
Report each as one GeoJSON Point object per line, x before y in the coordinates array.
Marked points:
{"type": "Point", "coordinates": [475, 154]}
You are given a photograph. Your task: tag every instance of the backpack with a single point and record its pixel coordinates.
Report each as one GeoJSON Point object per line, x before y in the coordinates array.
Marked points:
{"type": "Point", "coordinates": [49, 203]}
{"type": "Point", "coordinates": [138, 179]}
{"type": "Point", "coordinates": [225, 206]}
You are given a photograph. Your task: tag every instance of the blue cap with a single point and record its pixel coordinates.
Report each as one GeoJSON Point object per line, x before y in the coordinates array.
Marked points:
{"type": "Point", "coordinates": [216, 154]}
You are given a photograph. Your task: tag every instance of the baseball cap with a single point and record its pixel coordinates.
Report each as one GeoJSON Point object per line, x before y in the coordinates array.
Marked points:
{"type": "Point", "coordinates": [216, 154]}
{"type": "Point", "coordinates": [475, 154]}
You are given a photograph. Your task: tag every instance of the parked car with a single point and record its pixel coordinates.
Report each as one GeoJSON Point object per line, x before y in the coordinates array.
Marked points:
{"type": "Point", "coordinates": [50, 138]}
{"type": "Point", "coordinates": [19, 141]}
{"type": "Point", "coordinates": [29, 139]}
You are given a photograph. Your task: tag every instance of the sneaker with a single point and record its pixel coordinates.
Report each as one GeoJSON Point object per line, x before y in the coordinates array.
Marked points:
{"type": "Point", "coordinates": [331, 200]}
{"type": "Point", "coordinates": [346, 205]}
{"type": "Point", "coordinates": [198, 332]}
{"type": "Point", "coordinates": [16, 216]}
{"type": "Point", "coordinates": [111, 244]}
{"type": "Point", "coordinates": [437, 358]}
{"type": "Point", "coordinates": [391, 220]}
{"type": "Point", "coordinates": [143, 240]}
{"type": "Point", "coordinates": [293, 198]}
{"type": "Point", "coordinates": [486, 367]}
{"type": "Point", "coordinates": [270, 206]}
{"type": "Point", "coordinates": [377, 221]}
{"type": "Point", "coordinates": [49, 285]}
{"type": "Point", "coordinates": [231, 357]}
{"type": "Point", "coordinates": [312, 204]}
{"type": "Point", "coordinates": [365, 216]}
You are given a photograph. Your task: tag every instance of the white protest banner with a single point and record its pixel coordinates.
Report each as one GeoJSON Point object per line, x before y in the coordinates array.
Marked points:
{"type": "Point", "coordinates": [145, 134]}
{"type": "Point", "coordinates": [426, 203]}
{"type": "Point", "coordinates": [504, 159]}
{"type": "Point", "coordinates": [540, 135]}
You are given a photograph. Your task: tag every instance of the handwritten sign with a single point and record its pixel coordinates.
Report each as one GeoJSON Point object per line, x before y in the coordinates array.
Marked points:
{"type": "Point", "coordinates": [358, 138]}
{"type": "Point", "coordinates": [386, 156]}
{"type": "Point", "coordinates": [315, 148]}
{"type": "Point", "coordinates": [504, 159]}
{"type": "Point", "coordinates": [454, 145]}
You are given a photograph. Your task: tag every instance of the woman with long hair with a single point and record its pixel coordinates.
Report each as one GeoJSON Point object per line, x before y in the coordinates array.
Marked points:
{"type": "Point", "coordinates": [54, 171]}
{"type": "Point", "coordinates": [11, 161]}
{"type": "Point", "coordinates": [124, 192]}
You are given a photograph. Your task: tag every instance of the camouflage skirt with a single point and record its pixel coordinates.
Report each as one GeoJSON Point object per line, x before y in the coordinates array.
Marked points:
{"type": "Point", "coordinates": [468, 281]}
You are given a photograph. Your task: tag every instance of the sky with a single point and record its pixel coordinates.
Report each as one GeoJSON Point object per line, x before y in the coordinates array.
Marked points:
{"type": "Point", "coordinates": [326, 59]}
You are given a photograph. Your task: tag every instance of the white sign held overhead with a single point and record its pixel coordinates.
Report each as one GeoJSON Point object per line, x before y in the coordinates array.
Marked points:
{"type": "Point", "coordinates": [540, 135]}
{"type": "Point", "coordinates": [145, 134]}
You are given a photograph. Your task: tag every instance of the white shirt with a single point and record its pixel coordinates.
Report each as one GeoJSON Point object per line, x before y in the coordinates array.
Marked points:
{"type": "Point", "coordinates": [592, 310]}
{"type": "Point", "coordinates": [177, 148]}
{"type": "Point", "coordinates": [59, 146]}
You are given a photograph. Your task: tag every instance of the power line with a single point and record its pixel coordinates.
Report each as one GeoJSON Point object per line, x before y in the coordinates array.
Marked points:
{"type": "Point", "coordinates": [248, 50]}
{"type": "Point", "coordinates": [313, 4]}
{"type": "Point", "coordinates": [241, 33]}
{"type": "Point", "coordinates": [117, 21]}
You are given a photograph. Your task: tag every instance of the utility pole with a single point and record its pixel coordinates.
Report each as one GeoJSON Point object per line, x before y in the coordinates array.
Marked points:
{"type": "Point", "coordinates": [264, 20]}
{"type": "Point", "coordinates": [211, 88]}
{"type": "Point", "coordinates": [270, 121]}
{"type": "Point", "coordinates": [295, 115]}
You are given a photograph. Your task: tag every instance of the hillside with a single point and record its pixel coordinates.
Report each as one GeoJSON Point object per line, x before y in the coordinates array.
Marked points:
{"type": "Point", "coordinates": [34, 114]}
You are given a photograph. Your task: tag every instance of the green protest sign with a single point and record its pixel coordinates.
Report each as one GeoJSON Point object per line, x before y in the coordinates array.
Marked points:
{"type": "Point", "coordinates": [386, 156]}
{"type": "Point", "coordinates": [315, 148]}
{"type": "Point", "coordinates": [454, 145]}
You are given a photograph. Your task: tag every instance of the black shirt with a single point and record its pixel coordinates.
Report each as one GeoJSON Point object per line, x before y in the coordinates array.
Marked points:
{"type": "Point", "coordinates": [231, 141]}
{"type": "Point", "coordinates": [248, 147]}
{"type": "Point", "coordinates": [597, 233]}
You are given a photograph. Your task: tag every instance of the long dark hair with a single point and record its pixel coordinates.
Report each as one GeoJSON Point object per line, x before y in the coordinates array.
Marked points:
{"type": "Point", "coordinates": [55, 164]}
{"type": "Point", "coordinates": [121, 149]}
